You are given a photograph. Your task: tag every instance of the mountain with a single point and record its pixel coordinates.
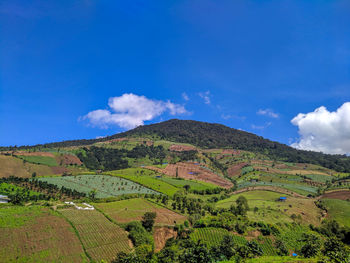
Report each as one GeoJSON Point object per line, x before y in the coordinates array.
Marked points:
{"type": "Point", "coordinates": [212, 135]}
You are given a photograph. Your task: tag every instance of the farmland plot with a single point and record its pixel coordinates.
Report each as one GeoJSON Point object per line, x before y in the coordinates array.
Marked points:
{"type": "Point", "coordinates": [105, 185]}
{"type": "Point", "coordinates": [133, 209]}
{"type": "Point", "coordinates": [101, 238]}
{"type": "Point", "coordinates": [36, 234]}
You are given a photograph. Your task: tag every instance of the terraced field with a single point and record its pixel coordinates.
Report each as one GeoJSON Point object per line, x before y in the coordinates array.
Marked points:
{"type": "Point", "coordinates": [270, 210]}
{"type": "Point", "coordinates": [147, 178]}
{"type": "Point", "coordinates": [133, 209]}
{"type": "Point", "coordinates": [213, 236]}
{"type": "Point", "coordinates": [101, 238]}
{"type": "Point", "coordinates": [105, 185]}
{"type": "Point", "coordinates": [36, 234]}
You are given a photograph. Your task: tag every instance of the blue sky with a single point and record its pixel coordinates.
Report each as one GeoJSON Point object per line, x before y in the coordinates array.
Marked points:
{"type": "Point", "coordinates": [252, 65]}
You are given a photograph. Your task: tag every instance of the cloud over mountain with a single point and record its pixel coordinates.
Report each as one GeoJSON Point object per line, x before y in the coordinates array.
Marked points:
{"type": "Point", "coordinates": [325, 131]}
{"type": "Point", "coordinates": [129, 111]}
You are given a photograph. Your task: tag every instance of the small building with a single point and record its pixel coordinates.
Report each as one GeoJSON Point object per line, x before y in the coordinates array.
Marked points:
{"type": "Point", "coordinates": [4, 199]}
{"type": "Point", "coordinates": [294, 254]}
{"type": "Point", "coordinates": [158, 176]}
{"type": "Point", "coordinates": [282, 199]}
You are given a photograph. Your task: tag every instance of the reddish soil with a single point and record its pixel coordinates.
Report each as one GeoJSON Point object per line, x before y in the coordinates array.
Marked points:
{"type": "Point", "coordinates": [59, 169]}
{"type": "Point", "coordinates": [235, 170]}
{"type": "Point", "coordinates": [181, 148]}
{"type": "Point", "coordinates": [192, 171]}
{"type": "Point", "coordinates": [161, 235]}
{"type": "Point", "coordinates": [68, 159]}
{"type": "Point", "coordinates": [340, 194]}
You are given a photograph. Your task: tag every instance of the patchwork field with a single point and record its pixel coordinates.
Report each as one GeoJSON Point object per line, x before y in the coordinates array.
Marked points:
{"type": "Point", "coordinates": [147, 178]}
{"type": "Point", "coordinates": [45, 160]}
{"type": "Point", "coordinates": [340, 194]}
{"type": "Point", "coordinates": [338, 210]}
{"type": "Point", "coordinates": [213, 236]}
{"type": "Point", "coordinates": [105, 185]}
{"type": "Point", "coordinates": [270, 210]}
{"type": "Point", "coordinates": [193, 171]}
{"type": "Point", "coordinates": [133, 209]}
{"type": "Point", "coordinates": [194, 185]}
{"type": "Point", "coordinates": [15, 166]}
{"type": "Point", "coordinates": [101, 238]}
{"type": "Point", "coordinates": [36, 234]}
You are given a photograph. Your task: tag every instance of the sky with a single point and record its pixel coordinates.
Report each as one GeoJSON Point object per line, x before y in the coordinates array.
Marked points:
{"type": "Point", "coordinates": [86, 69]}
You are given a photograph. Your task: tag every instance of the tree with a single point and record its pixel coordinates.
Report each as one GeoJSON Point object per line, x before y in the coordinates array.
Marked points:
{"type": "Point", "coordinates": [92, 194]}
{"type": "Point", "coordinates": [187, 187]}
{"type": "Point", "coordinates": [33, 174]}
{"type": "Point", "coordinates": [228, 247]}
{"type": "Point", "coordinates": [148, 220]}
{"type": "Point", "coordinates": [336, 251]}
{"type": "Point", "coordinates": [195, 253]}
{"type": "Point", "coordinates": [312, 245]}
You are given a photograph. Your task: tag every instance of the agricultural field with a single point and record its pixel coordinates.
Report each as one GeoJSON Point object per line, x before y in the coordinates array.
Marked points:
{"type": "Point", "coordinates": [133, 209]}
{"type": "Point", "coordinates": [194, 185]}
{"type": "Point", "coordinates": [104, 185]}
{"type": "Point", "coordinates": [338, 210]}
{"type": "Point", "coordinates": [101, 238]}
{"type": "Point", "coordinates": [193, 171]}
{"type": "Point", "coordinates": [213, 236]}
{"type": "Point", "coordinates": [36, 234]}
{"type": "Point", "coordinates": [16, 167]}
{"type": "Point", "coordinates": [45, 160]}
{"type": "Point", "coordinates": [147, 178]}
{"type": "Point", "coordinates": [270, 210]}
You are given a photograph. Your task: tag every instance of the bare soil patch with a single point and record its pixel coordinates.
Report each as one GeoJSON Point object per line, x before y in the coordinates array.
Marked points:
{"type": "Point", "coordinates": [181, 148]}
{"type": "Point", "coordinates": [161, 235]}
{"type": "Point", "coordinates": [193, 171]}
{"type": "Point", "coordinates": [235, 170]}
{"type": "Point", "coordinates": [68, 159]}
{"type": "Point", "coordinates": [340, 194]}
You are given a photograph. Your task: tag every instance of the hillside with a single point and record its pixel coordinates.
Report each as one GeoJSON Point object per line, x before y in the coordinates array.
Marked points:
{"type": "Point", "coordinates": [212, 196]}
{"type": "Point", "coordinates": [210, 136]}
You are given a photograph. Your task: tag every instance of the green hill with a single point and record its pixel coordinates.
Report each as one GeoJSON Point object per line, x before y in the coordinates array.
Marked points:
{"type": "Point", "coordinates": [209, 135]}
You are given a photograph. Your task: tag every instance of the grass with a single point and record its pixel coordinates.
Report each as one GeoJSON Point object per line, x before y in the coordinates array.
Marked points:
{"type": "Point", "coordinates": [146, 178]}
{"type": "Point", "coordinates": [36, 234]}
{"type": "Point", "coordinates": [194, 185]}
{"type": "Point", "coordinates": [105, 185]}
{"type": "Point", "coordinates": [133, 209]}
{"type": "Point", "coordinates": [272, 211]}
{"type": "Point", "coordinates": [101, 238]}
{"type": "Point", "coordinates": [45, 160]}
{"type": "Point", "coordinates": [338, 210]}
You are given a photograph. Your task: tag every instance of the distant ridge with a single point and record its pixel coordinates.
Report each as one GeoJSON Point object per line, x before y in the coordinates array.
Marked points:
{"type": "Point", "coordinates": [212, 135]}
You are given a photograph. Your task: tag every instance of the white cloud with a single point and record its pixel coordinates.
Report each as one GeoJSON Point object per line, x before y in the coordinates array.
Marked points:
{"type": "Point", "coordinates": [325, 131]}
{"type": "Point", "coordinates": [205, 96]}
{"type": "Point", "coordinates": [268, 112]}
{"type": "Point", "coordinates": [185, 96]}
{"type": "Point", "coordinates": [129, 111]}
{"type": "Point", "coordinates": [229, 116]}
{"type": "Point", "coordinates": [261, 127]}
